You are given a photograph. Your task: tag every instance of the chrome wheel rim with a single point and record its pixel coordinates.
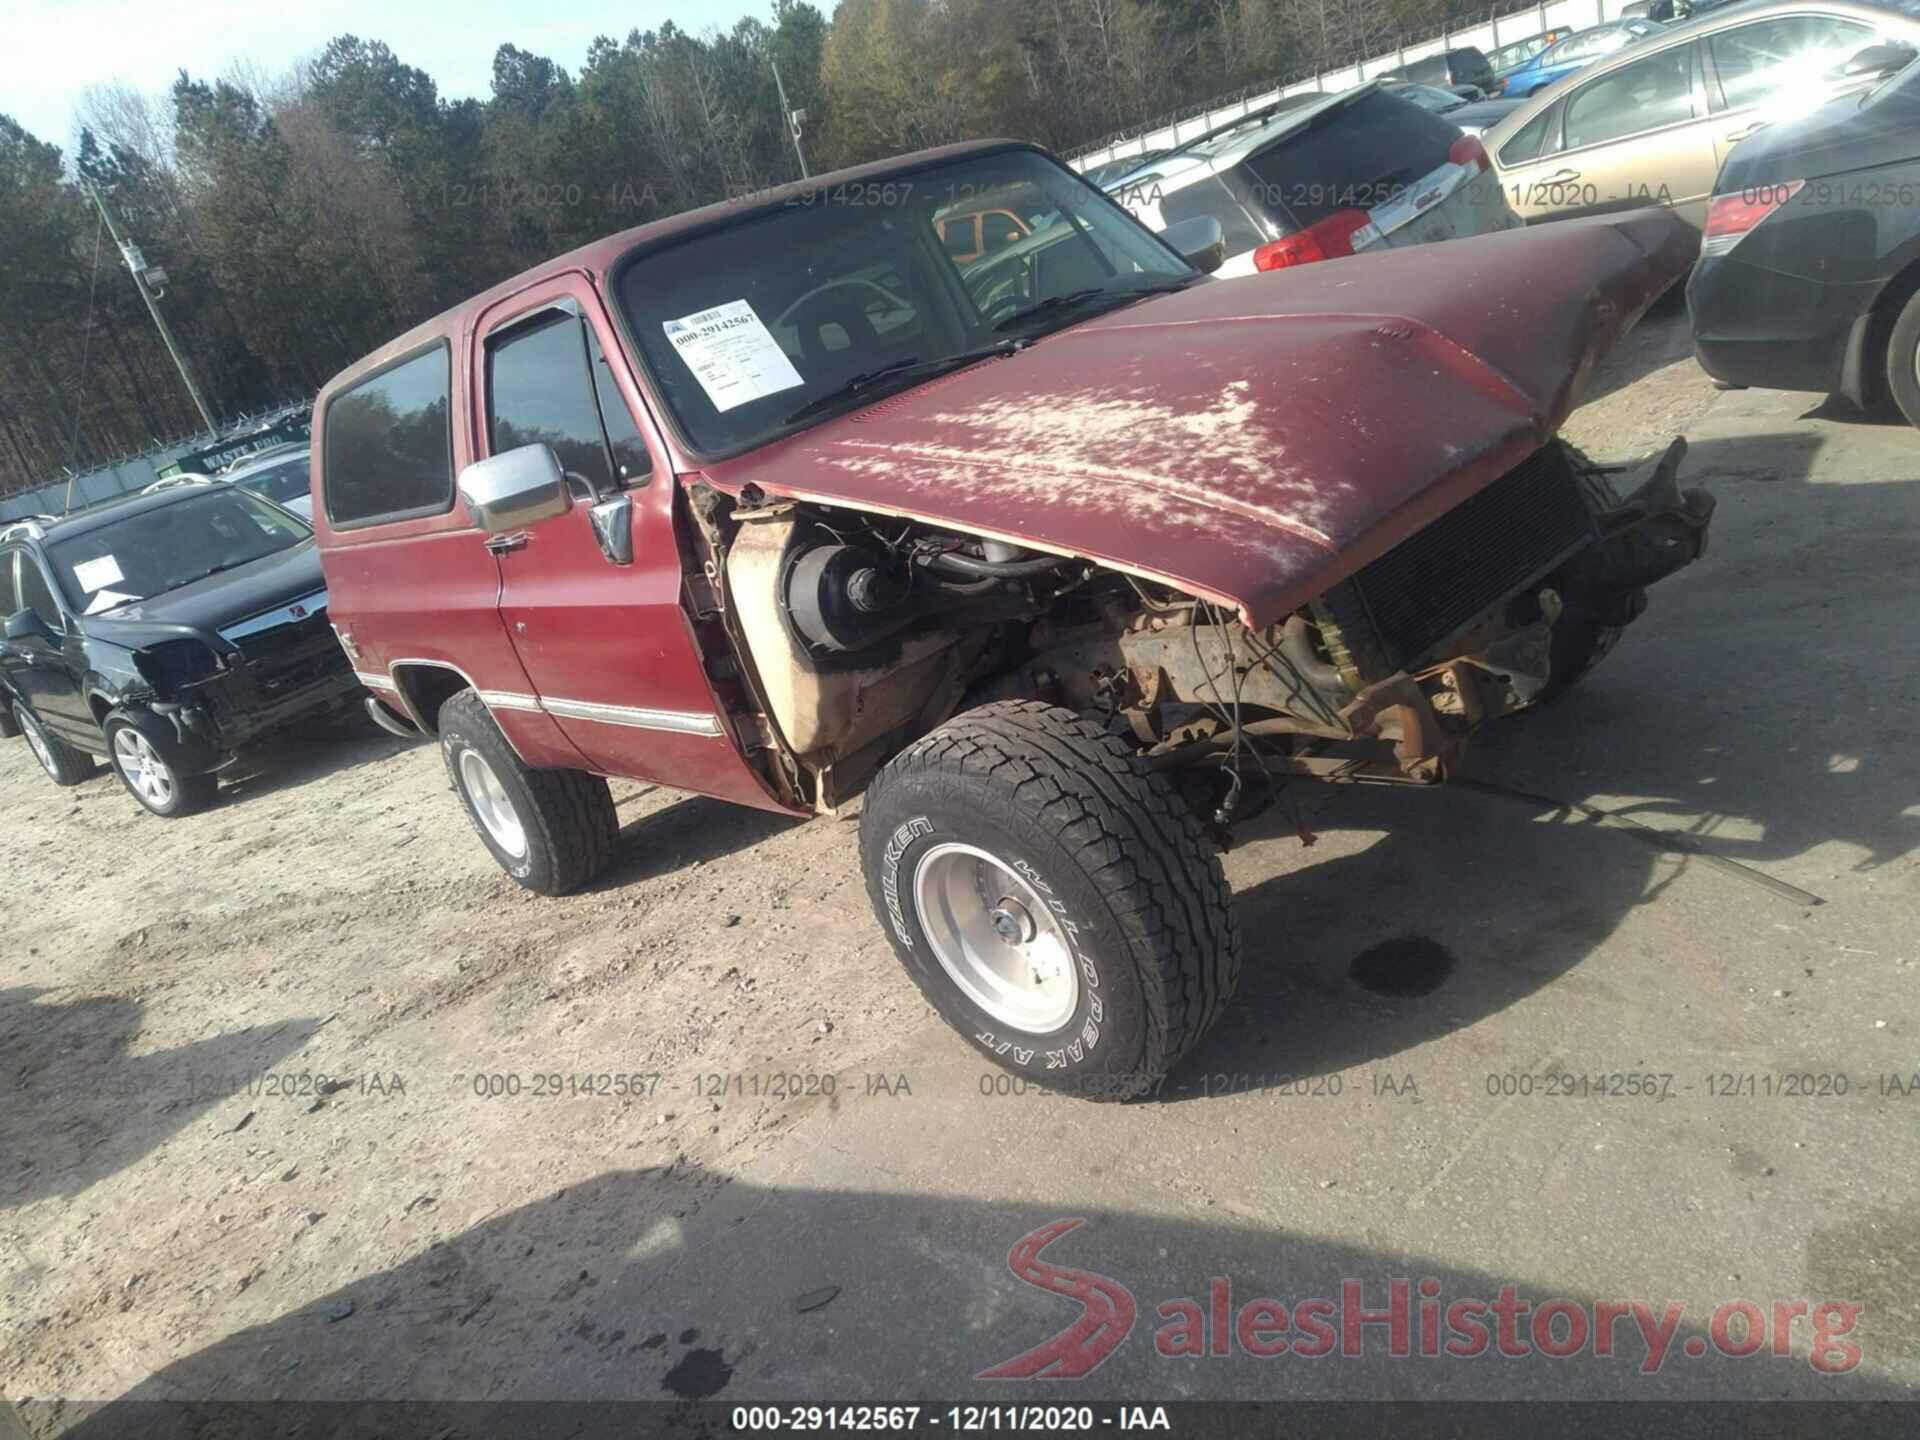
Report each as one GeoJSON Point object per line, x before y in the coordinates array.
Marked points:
{"type": "Point", "coordinates": [147, 775]}
{"type": "Point", "coordinates": [491, 803]}
{"type": "Point", "coordinates": [996, 938]}
{"type": "Point", "coordinates": [36, 742]}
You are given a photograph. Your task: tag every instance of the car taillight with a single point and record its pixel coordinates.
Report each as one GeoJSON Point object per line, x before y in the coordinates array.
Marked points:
{"type": "Point", "coordinates": [1325, 240]}
{"type": "Point", "coordinates": [1731, 216]}
{"type": "Point", "coordinates": [1468, 150]}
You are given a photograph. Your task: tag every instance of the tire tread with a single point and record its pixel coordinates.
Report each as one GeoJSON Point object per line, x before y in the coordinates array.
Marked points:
{"type": "Point", "coordinates": [1129, 831]}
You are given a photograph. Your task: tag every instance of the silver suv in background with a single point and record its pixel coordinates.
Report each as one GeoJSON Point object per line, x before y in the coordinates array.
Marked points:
{"type": "Point", "coordinates": [282, 477]}
{"type": "Point", "coordinates": [1338, 175]}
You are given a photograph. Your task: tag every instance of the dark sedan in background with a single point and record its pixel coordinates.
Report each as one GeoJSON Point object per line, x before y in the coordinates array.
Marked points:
{"type": "Point", "coordinates": [1809, 273]}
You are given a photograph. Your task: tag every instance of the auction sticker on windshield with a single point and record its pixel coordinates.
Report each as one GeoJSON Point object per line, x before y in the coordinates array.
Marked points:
{"type": "Point", "coordinates": [98, 574]}
{"type": "Point", "coordinates": [732, 354]}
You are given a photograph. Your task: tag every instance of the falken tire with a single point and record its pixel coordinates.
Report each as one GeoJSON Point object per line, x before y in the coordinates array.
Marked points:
{"type": "Point", "coordinates": [1070, 817]}
{"type": "Point", "coordinates": [566, 823]}
{"type": "Point", "coordinates": [162, 781]}
{"type": "Point", "coordinates": [64, 765]}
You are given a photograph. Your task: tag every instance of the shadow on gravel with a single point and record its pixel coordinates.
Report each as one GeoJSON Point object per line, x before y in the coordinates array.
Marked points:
{"type": "Point", "coordinates": [674, 1284]}
{"type": "Point", "coordinates": [692, 829]}
{"type": "Point", "coordinates": [76, 1106]}
{"type": "Point", "coordinates": [305, 754]}
{"type": "Point", "coordinates": [1844, 412]}
{"type": "Point", "coordinates": [1764, 706]}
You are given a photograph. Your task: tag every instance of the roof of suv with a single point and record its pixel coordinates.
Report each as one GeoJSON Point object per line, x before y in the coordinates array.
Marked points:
{"type": "Point", "coordinates": [267, 460]}
{"type": "Point", "coordinates": [1202, 157]}
{"type": "Point", "coordinates": [69, 526]}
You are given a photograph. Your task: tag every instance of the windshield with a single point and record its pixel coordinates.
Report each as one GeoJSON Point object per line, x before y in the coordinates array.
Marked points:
{"type": "Point", "coordinates": [1428, 97]}
{"type": "Point", "coordinates": [750, 329]}
{"type": "Point", "coordinates": [279, 483]}
{"type": "Point", "coordinates": [155, 551]}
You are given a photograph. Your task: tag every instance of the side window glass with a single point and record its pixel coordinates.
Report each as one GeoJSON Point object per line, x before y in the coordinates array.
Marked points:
{"type": "Point", "coordinates": [35, 595]}
{"type": "Point", "coordinates": [389, 446]}
{"type": "Point", "coordinates": [9, 593]}
{"type": "Point", "coordinates": [630, 458]}
{"type": "Point", "coordinates": [539, 393]}
{"type": "Point", "coordinates": [1526, 144]}
{"type": "Point", "coordinates": [1758, 61]}
{"type": "Point", "coordinates": [999, 230]}
{"type": "Point", "coordinates": [1635, 98]}
{"type": "Point", "coordinates": [957, 236]}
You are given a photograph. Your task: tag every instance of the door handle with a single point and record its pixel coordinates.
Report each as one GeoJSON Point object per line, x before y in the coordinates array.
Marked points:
{"type": "Point", "coordinates": [502, 544]}
{"type": "Point", "coordinates": [1560, 178]}
{"type": "Point", "coordinates": [1739, 135]}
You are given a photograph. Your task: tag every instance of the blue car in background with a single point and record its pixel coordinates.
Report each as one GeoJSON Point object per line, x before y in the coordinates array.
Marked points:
{"type": "Point", "coordinates": [1581, 48]}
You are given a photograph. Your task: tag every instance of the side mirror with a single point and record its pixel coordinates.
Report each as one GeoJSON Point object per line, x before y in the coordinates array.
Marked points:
{"type": "Point", "coordinates": [1200, 242]}
{"type": "Point", "coordinates": [1879, 60]}
{"type": "Point", "coordinates": [515, 489]}
{"type": "Point", "coordinates": [613, 529]}
{"type": "Point", "coordinates": [27, 625]}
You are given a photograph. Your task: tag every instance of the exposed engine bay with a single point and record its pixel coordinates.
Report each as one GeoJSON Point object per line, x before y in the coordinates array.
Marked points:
{"type": "Point", "coordinates": [863, 632]}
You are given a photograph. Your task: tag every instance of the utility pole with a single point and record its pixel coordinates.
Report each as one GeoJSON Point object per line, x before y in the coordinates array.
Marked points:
{"type": "Point", "coordinates": [794, 118]}
{"type": "Point", "coordinates": [151, 282]}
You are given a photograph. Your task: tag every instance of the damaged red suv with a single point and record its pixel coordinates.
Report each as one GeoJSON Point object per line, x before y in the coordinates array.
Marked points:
{"type": "Point", "coordinates": [1065, 561]}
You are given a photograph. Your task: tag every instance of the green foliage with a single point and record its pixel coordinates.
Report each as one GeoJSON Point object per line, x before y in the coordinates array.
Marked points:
{"type": "Point", "coordinates": [304, 223]}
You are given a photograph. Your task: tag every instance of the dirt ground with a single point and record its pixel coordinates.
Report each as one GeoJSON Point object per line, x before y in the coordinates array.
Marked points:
{"type": "Point", "coordinates": [245, 1059]}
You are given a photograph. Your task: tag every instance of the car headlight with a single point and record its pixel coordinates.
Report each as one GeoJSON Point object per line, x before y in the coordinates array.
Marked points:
{"type": "Point", "coordinates": [174, 663]}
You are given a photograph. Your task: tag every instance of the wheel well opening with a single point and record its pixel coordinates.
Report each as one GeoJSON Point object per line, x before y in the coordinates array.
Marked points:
{"type": "Point", "coordinates": [426, 688]}
{"type": "Point", "coordinates": [101, 708]}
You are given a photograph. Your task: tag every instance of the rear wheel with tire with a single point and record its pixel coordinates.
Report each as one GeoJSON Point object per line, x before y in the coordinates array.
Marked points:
{"type": "Point", "coordinates": [64, 765]}
{"type": "Point", "coordinates": [551, 830]}
{"type": "Point", "coordinates": [1052, 896]}
{"type": "Point", "coordinates": [1903, 360]}
{"type": "Point", "coordinates": [150, 762]}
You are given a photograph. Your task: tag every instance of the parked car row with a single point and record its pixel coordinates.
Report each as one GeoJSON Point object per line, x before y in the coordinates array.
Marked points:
{"type": "Point", "coordinates": [1654, 122]}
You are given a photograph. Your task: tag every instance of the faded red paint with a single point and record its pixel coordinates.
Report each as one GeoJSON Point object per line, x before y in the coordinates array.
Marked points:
{"type": "Point", "coordinates": [1255, 440]}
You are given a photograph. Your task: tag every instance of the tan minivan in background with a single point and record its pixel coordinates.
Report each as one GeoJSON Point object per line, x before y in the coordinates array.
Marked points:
{"type": "Point", "coordinates": [1651, 124]}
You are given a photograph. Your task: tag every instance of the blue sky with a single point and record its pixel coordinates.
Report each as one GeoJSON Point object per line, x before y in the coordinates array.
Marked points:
{"type": "Point", "coordinates": [60, 47]}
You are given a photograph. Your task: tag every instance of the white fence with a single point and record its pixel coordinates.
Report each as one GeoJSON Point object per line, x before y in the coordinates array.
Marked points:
{"type": "Point", "coordinates": [1503, 30]}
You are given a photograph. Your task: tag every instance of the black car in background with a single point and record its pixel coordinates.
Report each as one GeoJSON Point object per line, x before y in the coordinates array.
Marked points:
{"type": "Point", "coordinates": [164, 632]}
{"type": "Point", "coordinates": [1462, 65]}
{"type": "Point", "coordinates": [1809, 270]}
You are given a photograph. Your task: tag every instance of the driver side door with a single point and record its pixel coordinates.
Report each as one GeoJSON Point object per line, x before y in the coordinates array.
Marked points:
{"type": "Point", "coordinates": [592, 598]}
{"type": "Point", "coordinates": [46, 672]}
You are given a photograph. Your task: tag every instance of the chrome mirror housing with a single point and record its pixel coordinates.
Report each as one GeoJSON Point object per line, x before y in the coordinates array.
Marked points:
{"type": "Point", "coordinates": [514, 489]}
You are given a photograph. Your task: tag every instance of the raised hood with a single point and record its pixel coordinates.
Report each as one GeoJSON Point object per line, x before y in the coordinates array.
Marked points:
{"type": "Point", "coordinates": [1254, 441]}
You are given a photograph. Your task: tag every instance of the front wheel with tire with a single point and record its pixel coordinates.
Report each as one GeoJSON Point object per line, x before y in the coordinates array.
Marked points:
{"type": "Point", "coordinates": [1903, 360]}
{"type": "Point", "coordinates": [551, 830]}
{"type": "Point", "coordinates": [151, 764]}
{"type": "Point", "coordinates": [64, 765]}
{"type": "Point", "coordinates": [1052, 896]}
